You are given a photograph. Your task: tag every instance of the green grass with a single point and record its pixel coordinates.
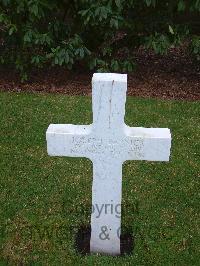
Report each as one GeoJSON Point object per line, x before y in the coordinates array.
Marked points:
{"type": "Point", "coordinates": [44, 200]}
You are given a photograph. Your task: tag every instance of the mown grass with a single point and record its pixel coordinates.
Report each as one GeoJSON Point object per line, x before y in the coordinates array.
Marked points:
{"type": "Point", "coordinates": [44, 200]}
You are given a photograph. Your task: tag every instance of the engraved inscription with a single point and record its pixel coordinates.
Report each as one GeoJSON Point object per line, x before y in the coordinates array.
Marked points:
{"type": "Point", "coordinates": [137, 147]}
{"type": "Point", "coordinates": [109, 147]}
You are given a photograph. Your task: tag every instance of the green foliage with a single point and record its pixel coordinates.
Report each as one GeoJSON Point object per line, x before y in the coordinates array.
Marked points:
{"type": "Point", "coordinates": [100, 35]}
{"type": "Point", "coordinates": [195, 46]}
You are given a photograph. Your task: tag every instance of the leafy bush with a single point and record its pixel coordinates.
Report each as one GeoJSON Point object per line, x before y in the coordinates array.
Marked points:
{"type": "Point", "coordinates": [195, 46]}
{"type": "Point", "coordinates": [100, 35]}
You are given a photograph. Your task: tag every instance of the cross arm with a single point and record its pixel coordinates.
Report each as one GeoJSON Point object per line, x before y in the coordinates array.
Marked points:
{"type": "Point", "coordinates": [151, 144]}
{"type": "Point", "coordinates": [67, 139]}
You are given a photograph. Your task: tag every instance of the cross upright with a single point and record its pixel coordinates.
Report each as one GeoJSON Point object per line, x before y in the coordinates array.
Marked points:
{"type": "Point", "coordinates": [108, 142]}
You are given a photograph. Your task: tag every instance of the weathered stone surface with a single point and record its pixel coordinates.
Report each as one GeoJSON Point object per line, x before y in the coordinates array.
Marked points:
{"type": "Point", "coordinates": [108, 142]}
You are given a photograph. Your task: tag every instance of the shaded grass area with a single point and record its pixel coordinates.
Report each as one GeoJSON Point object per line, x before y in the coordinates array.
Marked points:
{"type": "Point", "coordinates": [45, 200]}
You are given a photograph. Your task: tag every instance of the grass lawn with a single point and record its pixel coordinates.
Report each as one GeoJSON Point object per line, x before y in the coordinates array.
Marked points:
{"type": "Point", "coordinates": [44, 200]}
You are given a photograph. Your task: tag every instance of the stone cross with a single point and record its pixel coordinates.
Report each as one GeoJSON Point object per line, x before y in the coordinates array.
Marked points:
{"type": "Point", "coordinates": [108, 142]}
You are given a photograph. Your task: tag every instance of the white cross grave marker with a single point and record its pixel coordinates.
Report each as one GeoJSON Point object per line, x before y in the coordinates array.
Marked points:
{"type": "Point", "coordinates": [108, 142]}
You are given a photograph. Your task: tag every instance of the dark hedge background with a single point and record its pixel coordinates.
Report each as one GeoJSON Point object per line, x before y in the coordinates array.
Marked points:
{"type": "Point", "coordinates": [99, 35]}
